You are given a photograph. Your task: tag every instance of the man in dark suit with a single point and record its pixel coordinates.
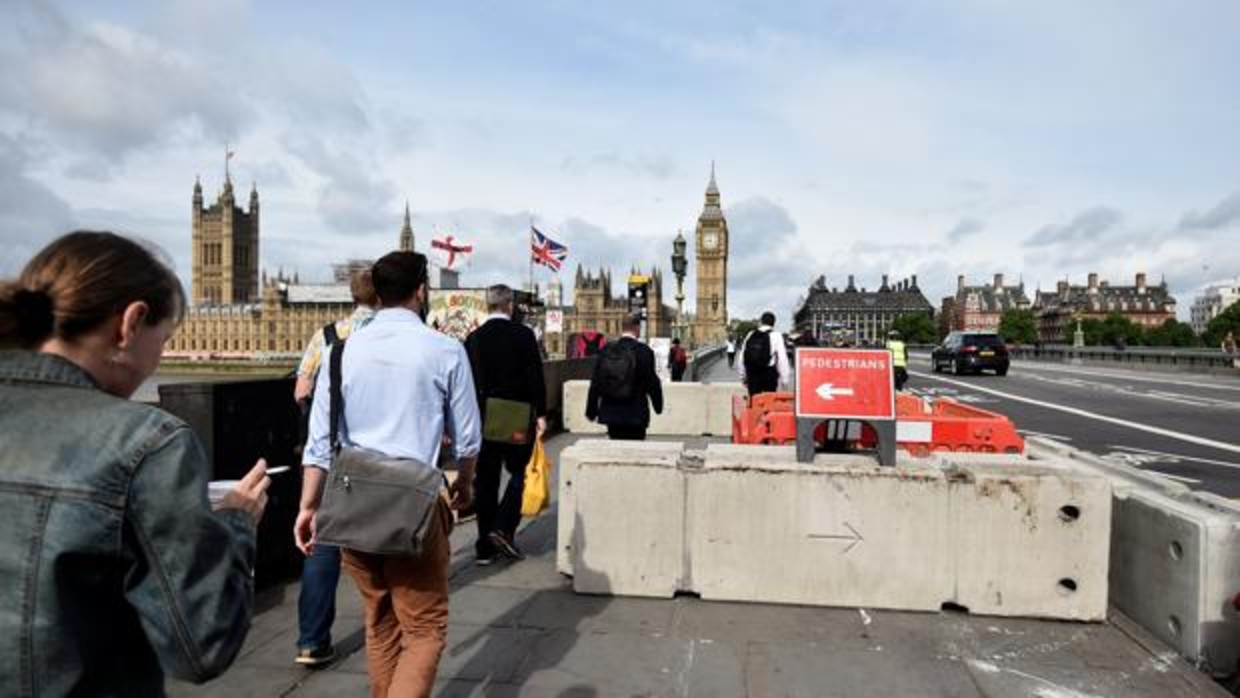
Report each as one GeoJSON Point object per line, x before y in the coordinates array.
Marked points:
{"type": "Point", "coordinates": [506, 364]}
{"type": "Point", "coordinates": [624, 379]}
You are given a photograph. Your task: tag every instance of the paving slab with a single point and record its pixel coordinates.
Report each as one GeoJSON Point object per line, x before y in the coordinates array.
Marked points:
{"type": "Point", "coordinates": [532, 636]}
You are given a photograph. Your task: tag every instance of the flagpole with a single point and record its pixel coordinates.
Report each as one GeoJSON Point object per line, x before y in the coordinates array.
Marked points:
{"type": "Point", "coordinates": [531, 253]}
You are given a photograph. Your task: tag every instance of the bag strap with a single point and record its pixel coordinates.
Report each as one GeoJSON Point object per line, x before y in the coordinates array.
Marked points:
{"type": "Point", "coordinates": [330, 336]}
{"type": "Point", "coordinates": [336, 409]}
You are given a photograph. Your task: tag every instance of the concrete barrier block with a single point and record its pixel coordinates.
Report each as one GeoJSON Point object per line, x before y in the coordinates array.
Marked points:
{"type": "Point", "coordinates": [574, 411]}
{"type": "Point", "coordinates": [839, 532]}
{"type": "Point", "coordinates": [718, 420]}
{"type": "Point", "coordinates": [684, 410]}
{"type": "Point", "coordinates": [1029, 541]}
{"type": "Point", "coordinates": [627, 533]}
{"type": "Point", "coordinates": [1176, 569]}
{"type": "Point", "coordinates": [662, 453]}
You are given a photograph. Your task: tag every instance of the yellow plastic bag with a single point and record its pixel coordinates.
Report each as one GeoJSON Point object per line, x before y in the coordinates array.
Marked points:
{"type": "Point", "coordinates": [537, 494]}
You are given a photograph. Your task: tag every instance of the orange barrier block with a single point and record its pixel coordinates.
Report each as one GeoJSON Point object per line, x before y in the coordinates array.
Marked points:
{"type": "Point", "coordinates": [922, 426]}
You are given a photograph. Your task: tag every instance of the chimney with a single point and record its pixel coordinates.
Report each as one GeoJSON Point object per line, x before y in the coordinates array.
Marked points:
{"type": "Point", "coordinates": [884, 287]}
{"type": "Point", "coordinates": [1140, 282]}
{"type": "Point", "coordinates": [960, 284]}
{"type": "Point", "coordinates": [998, 281]}
{"type": "Point", "coordinates": [1093, 281]}
{"type": "Point", "coordinates": [913, 283]}
{"type": "Point", "coordinates": [851, 285]}
{"type": "Point", "coordinates": [1062, 287]}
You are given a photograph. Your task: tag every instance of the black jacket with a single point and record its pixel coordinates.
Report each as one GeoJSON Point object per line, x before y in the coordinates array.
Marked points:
{"type": "Point", "coordinates": [636, 410]}
{"type": "Point", "coordinates": [506, 364]}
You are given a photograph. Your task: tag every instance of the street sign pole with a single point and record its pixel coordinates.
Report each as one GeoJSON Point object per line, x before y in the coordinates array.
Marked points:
{"type": "Point", "coordinates": [846, 385]}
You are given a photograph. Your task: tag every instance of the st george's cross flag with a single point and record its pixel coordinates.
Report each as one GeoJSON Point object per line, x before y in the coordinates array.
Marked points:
{"type": "Point", "coordinates": [450, 253]}
{"type": "Point", "coordinates": [545, 251]}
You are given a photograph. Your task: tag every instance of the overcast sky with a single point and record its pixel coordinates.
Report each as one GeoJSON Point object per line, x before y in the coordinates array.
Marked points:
{"type": "Point", "coordinates": [1041, 139]}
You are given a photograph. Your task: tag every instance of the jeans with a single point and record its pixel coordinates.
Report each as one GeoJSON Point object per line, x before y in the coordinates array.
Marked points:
{"type": "Point", "coordinates": [316, 604]}
{"type": "Point", "coordinates": [406, 611]}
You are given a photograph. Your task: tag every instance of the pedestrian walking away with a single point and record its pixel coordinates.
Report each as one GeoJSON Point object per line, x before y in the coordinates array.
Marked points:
{"type": "Point", "coordinates": [624, 386]}
{"type": "Point", "coordinates": [117, 565]}
{"type": "Point", "coordinates": [401, 386]}
{"type": "Point", "coordinates": [677, 361]}
{"type": "Point", "coordinates": [320, 573]}
{"type": "Point", "coordinates": [731, 349]}
{"type": "Point", "coordinates": [508, 377]}
{"type": "Point", "coordinates": [764, 358]}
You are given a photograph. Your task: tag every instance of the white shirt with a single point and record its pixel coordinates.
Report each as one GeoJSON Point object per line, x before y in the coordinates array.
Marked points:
{"type": "Point", "coordinates": [779, 355]}
{"type": "Point", "coordinates": [404, 386]}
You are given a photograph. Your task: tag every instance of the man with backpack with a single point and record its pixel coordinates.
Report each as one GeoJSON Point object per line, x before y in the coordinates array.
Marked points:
{"type": "Point", "coordinates": [764, 358]}
{"type": "Point", "coordinates": [624, 379]}
{"type": "Point", "coordinates": [316, 602]}
{"type": "Point", "coordinates": [677, 361]}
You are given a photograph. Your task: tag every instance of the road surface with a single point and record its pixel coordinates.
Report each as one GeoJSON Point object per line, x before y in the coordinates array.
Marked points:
{"type": "Point", "coordinates": [1184, 426]}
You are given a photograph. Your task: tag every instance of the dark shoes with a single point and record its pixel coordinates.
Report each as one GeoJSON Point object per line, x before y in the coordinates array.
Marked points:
{"type": "Point", "coordinates": [316, 657]}
{"type": "Point", "coordinates": [505, 546]}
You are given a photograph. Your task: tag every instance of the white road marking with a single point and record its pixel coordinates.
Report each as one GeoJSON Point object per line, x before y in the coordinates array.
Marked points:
{"type": "Point", "coordinates": [1177, 456]}
{"type": "Point", "coordinates": [1181, 436]}
{"type": "Point", "coordinates": [1176, 398]}
{"type": "Point", "coordinates": [1177, 478]}
{"type": "Point", "coordinates": [1222, 384]}
{"type": "Point", "coordinates": [1052, 437]}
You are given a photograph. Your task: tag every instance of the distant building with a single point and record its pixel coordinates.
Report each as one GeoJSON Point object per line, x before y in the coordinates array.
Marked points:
{"type": "Point", "coordinates": [1210, 303]}
{"type": "Point", "coordinates": [595, 308]}
{"type": "Point", "coordinates": [230, 315]}
{"type": "Point", "coordinates": [866, 315]}
{"type": "Point", "coordinates": [981, 307]}
{"type": "Point", "coordinates": [1058, 310]}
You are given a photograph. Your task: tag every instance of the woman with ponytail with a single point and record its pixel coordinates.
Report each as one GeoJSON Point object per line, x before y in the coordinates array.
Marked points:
{"type": "Point", "coordinates": [115, 568]}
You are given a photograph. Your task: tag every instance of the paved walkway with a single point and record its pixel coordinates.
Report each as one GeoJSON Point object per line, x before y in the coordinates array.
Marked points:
{"type": "Point", "coordinates": [519, 630]}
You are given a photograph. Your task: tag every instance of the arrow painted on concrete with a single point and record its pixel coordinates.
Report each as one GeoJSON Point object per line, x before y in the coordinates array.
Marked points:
{"type": "Point", "coordinates": [853, 536]}
{"type": "Point", "coordinates": [828, 391]}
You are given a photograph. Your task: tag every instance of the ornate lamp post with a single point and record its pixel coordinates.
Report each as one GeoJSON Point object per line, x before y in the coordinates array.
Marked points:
{"type": "Point", "coordinates": [680, 264]}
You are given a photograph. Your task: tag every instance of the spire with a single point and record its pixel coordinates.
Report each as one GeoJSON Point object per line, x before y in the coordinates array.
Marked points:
{"type": "Point", "coordinates": [712, 187]}
{"type": "Point", "coordinates": [406, 232]}
{"type": "Point", "coordinates": [712, 209]}
{"type": "Point", "coordinates": [253, 194]}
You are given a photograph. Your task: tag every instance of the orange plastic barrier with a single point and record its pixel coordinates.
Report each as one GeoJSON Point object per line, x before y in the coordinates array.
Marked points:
{"type": "Point", "coordinates": [923, 426]}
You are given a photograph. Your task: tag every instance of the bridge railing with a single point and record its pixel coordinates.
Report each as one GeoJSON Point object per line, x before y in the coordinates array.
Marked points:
{"type": "Point", "coordinates": [1208, 360]}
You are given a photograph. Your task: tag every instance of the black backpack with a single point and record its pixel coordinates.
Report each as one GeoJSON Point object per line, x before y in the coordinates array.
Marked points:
{"type": "Point", "coordinates": [617, 371]}
{"type": "Point", "coordinates": [757, 356]}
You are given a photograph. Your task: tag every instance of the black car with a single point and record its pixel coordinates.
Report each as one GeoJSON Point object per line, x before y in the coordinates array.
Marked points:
{"type": "Point", "coordinates": [971, 352]}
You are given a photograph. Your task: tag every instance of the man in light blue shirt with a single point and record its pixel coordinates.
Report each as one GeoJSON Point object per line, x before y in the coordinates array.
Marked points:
{"type": "Point", "coordinates": [404, 387]}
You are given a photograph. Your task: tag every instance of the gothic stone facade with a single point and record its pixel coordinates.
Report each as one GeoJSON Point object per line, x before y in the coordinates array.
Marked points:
{"type": "Point", "coordinates": [229, 316]}
{"type": "Point", "coordinates": [710, 324]}
{"type": "Point", "coordinates": [594, 307]}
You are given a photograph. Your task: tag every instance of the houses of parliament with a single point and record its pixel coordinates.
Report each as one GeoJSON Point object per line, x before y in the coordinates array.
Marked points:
{"type": "Point", "coordinates": [236, 313]}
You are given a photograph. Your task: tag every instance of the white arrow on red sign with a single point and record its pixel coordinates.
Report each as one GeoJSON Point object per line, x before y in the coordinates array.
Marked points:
{"type": "Point", "coordinates": [827, 391]}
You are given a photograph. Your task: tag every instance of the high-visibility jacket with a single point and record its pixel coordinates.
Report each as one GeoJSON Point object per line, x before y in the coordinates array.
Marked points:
{"type": "Point", "coordinates": [899, 355]}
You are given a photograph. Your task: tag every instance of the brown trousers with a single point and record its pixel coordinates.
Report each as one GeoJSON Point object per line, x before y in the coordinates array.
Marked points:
{"type": "Point", "coordinates": [406, 611]}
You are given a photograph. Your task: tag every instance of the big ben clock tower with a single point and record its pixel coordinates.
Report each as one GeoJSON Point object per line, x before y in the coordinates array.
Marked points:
{"type": "Point", "coordinates": [710, 325]}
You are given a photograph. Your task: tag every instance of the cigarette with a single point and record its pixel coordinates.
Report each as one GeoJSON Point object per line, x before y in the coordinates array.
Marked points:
{"type": "Point", "coordinates": [277, 470]}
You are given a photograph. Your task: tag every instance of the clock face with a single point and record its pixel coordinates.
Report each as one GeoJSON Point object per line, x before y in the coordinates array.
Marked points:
{"type": "Point", "coordinates": [710, 241]}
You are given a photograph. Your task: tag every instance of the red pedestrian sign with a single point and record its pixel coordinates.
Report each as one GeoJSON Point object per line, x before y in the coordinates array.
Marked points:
{"type": "Point", "coordinates": [845, 384]}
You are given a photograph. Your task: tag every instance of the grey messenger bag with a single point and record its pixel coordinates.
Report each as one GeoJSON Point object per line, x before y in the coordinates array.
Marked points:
{"type": "Point", "coordinates": [373, 502]}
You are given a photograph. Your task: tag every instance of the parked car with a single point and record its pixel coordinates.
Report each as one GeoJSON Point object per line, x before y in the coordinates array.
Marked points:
{"type": "Point", "coordinates": [971, 352]}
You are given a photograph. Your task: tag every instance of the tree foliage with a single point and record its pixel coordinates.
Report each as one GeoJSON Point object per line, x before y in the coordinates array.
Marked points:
{"type": "Point", "coordinates": [1227, 321]}
{"type": "Point", "coordinates": [1115, 330]}
{"type": "Point", "coordinates": [1018, 326]}
{"type": "Point", "coordinates": [1172, 333]}
{"type": "Point", "coordinates": [741, 328]}
{"type": "Point", "coordinates": [916, 328]}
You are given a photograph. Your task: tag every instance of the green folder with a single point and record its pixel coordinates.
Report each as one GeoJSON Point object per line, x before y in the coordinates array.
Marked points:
{"type": "Point", "coordinates": [507, 421]}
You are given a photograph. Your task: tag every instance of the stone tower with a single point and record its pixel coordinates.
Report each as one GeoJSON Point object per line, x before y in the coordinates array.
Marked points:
{"type": "Point", "coordinates": [406, 233]}
{"type": "Point", "coordinates": [225, 249]}
{"type": "Point", "coordinates": [710, 324]}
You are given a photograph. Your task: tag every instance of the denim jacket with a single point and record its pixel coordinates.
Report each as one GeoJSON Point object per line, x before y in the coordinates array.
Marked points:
{"type": "Point", "coordinates": [113, 568]}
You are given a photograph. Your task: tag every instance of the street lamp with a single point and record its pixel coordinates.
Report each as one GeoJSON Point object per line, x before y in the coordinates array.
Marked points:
{"type": "Point", "coordinates": [680, 263]}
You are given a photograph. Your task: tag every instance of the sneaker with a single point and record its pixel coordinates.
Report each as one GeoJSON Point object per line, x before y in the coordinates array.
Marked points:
{"type": "Point", "coordinates": [484, 561]}
{"type": "Point", "coordinates": [505, 545]}
{"type": "Point", "coordinates": [315, 657]}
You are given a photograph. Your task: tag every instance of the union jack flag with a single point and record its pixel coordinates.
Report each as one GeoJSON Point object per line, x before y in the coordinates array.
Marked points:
{"type": "Point", "coordinates": [545, 251]}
